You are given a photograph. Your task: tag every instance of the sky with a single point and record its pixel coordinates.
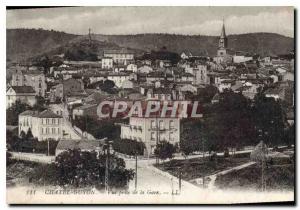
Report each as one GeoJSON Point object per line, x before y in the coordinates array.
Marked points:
{"type": "Point", "coordinates": [174, 20]}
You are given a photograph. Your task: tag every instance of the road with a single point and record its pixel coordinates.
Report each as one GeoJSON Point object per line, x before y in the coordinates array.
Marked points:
{"type": "Point", "coordinates": [151, 178]}
{"type": "Point", "coordinates": [69, 131]}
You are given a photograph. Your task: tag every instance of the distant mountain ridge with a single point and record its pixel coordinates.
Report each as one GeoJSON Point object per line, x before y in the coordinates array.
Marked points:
{"type": "Point", "coordinates": [25, 43]}
{"type": "Point", "coordinates": [260, 43]}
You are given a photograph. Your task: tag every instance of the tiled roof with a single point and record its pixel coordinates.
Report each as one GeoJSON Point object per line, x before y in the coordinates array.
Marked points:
{"type": "Point", "coordinates": [23, 89]}
{"type": "Point", "coordinates": [48, 114]}
{"type": "Point", "coordinates": [121, 51]}
{"type": "Point", "coordinates": [87, 106]}
{"type": "Point", "coordinates": [29, 113]}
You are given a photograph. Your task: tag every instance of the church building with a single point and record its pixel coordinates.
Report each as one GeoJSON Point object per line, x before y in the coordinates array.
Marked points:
{"type": "Point", "coordinates": [223, 53]}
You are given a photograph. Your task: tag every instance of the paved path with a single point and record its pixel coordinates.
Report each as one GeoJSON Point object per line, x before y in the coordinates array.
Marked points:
{"type": "Point", "coordinates": [33, 157]}
{"type": "Point", "coordinates": [211, 184]}
{"type": "Point", "coordinates": [70, 132]}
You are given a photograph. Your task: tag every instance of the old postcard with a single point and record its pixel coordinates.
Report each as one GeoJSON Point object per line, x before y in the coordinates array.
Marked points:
{"type": "Point", "coordinates": [150, 105]}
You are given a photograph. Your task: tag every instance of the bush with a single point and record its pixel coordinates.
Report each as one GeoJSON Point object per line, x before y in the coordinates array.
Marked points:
{"type": "Point", "coordinates": [129, 147]}
{"type": "Point", "coordinates": [165, 150]}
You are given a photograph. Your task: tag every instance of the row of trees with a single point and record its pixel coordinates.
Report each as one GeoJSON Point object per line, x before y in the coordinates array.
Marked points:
{"type": "Point", "coordinates": [235, 122]}
{"type": "Point", "coordinates": [12, 113]}
{"type": "Point", "coordinates": [98, 128]}
{"type": "Point", "coordinates": [129, 147]}
{"type": "Point", "coordinates": [27, 143]}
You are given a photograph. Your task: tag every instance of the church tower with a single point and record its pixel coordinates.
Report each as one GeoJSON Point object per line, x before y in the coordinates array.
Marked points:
{"type": "Point", "coordinates": [223, 38]}
{"type": "Point", "coordinates": [222, 43]}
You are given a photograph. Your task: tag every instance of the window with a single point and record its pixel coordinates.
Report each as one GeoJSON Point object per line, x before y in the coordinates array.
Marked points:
{"type": "Point", "coordinates": [152, 136]}
{"type": "Point", "coordinates": [161, 124]}
{"type": "Point", "coordinates": [53, 121]}
{"type": "Point", "coordinates": [47, 130]}
{"type": "Point", "coordinates": [171, 124]}
{"type": "Point", "coordinates": [53, 130]}
{"type": "Point", "coordinates": [47, 121]}
{"type": "Point", "coordinates": [42, 130]}
{"type": "Point", "coordinates": [171, 136]}
{"type": "Point", "coordinates": [153, 124]}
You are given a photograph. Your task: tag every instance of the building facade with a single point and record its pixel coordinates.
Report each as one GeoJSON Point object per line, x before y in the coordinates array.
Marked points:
{"type": "Point", "coordinates": [120, 56]}
{"type": "Point", "coordinates": [43, 125]}
{"type": "Point", "coordinates": [24, 94]}
{"type": "Point", "coordinates": [35, 79]}
{"type": "Point", "coordinates": [107, 63]}
{"type": "Point", "coordinates": [151, 131]}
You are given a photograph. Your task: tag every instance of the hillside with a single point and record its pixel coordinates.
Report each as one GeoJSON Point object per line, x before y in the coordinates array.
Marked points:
{"type": "Point", "coordinates": [24, 43]}
{"type": "Point", "coordinates": [261, 43]}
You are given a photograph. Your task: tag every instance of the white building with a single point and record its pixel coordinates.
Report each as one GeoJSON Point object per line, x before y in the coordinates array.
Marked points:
{"type": "Point", "coordinates": [118, 78]}
{"type": "Point", "coordinates": [107, 63]}
{"type": "Point", "coordinates": [24, 94]}
{"type": "Point", "coordinates": [131, 67]}
{"type": "Point", "coordinates": [151, 131]}
{"type": "Point", "coordinates": [120, 56]}
{"type": "Point", "coordinates": [241, 58]}
{"type": "Point", "coordinates": [200, 75]}
{"type": "Point", "coordinates": [35, 79]}
{"type": "Point", "coordinates": [44, 125]}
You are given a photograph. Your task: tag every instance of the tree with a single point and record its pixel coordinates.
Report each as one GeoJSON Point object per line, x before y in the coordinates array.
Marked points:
{"type": "Point", "coordinates": [40, 104]}
{"type": "Point", "coordinates": [129, 147]}
{"type": "Point", "coordinates": [205, 94]}
{"type": "Point", "coordinates": [229, 123]}
{"type": "Point", "coordinates": [29, 134]}
{"type": "Point", "coordinates": [269, 119]}
{"type": "Point", "coordinates": [191, 136]}
{"type": "Point", "coordinates": [289, 135]}
{"type": "Point", "coordinates": [108, 85]}
{"type": "Point", "coordinates": [98, 128]}
{"type": "Point", "coordinates": [85, 169]}
{"type": "Point", "coordinates": [165, 150]}
{"type": "Point", "coordinates": [22, 135]}
{"type": "Point", "coordinates": [12, 113]}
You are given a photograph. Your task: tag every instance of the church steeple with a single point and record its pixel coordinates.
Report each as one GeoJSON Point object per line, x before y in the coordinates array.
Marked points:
{"type": "Point", "coordinates": [223, 38]}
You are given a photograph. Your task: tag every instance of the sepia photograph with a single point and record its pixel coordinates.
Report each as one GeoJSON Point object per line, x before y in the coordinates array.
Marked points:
{"type": "Point", "coordinates": [150, 105]}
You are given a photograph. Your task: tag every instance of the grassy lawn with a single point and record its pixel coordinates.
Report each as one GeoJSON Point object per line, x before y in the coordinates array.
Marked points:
{"type": "Point", "coordinates": [199, 167]}
{"type": "Point", "coordinates": [278, 177]}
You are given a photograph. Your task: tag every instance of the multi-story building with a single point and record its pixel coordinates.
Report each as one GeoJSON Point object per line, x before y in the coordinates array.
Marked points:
{"type": "Point", "coordinates": [43, 125]}
{"type": "Point", "coordinates": [35, 79]}
{"type": "Point", "coordinates": [69, 86]}
{"type": "Point", "coordinates": [122, 56]}
{"type": "Point", "coordinates": [200, 75]}
{"type": "Point", "coordinates": [151, 131]}
{"type": "Point", "coordinates": [24, 94]}
{"type": "Point", "coordinates": [107, 63]}
{"type": "Point", "coordinates": [118, 78]}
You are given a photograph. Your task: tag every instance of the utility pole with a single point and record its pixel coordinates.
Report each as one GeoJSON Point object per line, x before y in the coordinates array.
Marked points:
{"type": "Point", "coordinates": [180, 174]}
{"type": "Point", "coordinates": [136, 171]}
{"type": "Point", "coordinates": [48, 150]}
{"type": "Point", "coordinates": [263, 175]}
{"type": "Point", "coordinates": [157, 135]}
{"type": "Point", "coordinates": [90, 37]}
{"type": "Point", "coordinates": [106, 179]}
